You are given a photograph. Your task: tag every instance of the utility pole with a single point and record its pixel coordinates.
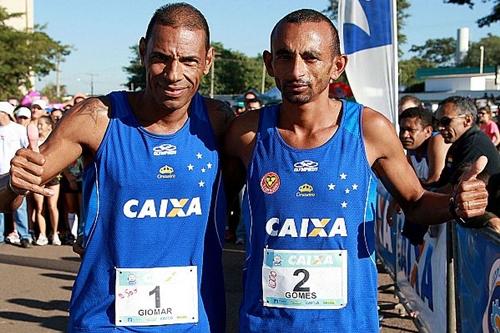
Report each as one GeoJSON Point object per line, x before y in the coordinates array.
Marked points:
{"type": "Point", "coordinates": [212, 78]}
{"type": "Point", "coordinates": [481, 59]}
{"type": "Point", "coordinates": [58, 86]}
{"type": "Point", "coordinates": [91, 83]}
{"type": "Point", "coordinates": [263, 87]}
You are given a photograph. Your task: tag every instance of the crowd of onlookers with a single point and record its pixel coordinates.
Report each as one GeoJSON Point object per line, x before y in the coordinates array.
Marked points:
{"type": "Point", "coordinates": [27, 225]}
{"type": "Point", "coordinates": [440, 145]}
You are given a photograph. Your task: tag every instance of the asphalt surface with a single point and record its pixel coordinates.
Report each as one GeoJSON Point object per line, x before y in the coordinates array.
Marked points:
{"type": "Point", "coordinates": [36, 284]}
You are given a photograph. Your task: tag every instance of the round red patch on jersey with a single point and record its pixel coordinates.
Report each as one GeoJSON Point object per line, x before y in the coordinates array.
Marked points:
{"type": "Point", "coordinates": [270, 183]}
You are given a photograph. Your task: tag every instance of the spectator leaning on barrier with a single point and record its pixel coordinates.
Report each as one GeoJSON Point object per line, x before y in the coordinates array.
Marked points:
{"type": "Point", "coordinates": [456, 117]}
{"type": "Point", "coordinates": [426, 148]}
{"type": "Point", "coordinates": [426, 152]}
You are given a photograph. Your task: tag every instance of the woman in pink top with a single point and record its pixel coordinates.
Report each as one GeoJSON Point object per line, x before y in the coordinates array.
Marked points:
{"type": "Point", "coordinates": [487, 125]}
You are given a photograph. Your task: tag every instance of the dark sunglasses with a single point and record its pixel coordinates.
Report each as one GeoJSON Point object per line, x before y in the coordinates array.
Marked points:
{"type": "Point", "coordinates": [446, 121]}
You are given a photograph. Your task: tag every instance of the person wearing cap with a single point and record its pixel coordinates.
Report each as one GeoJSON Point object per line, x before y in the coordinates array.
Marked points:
{"type": "Point", "coordinates": [12, 137]}
{"type": "Point", "coordinates": [23, 116]}
{"type": "Point", "coordinates": [38, 107]}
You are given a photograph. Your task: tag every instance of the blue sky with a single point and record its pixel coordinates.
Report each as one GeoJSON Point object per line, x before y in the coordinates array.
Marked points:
{"type": "Point", "coordinates": [101, 32]}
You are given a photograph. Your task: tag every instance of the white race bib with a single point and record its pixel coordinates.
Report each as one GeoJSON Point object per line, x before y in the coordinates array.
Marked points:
{"type": "Point", "coordinates": [305, 279]}
{"type": "Point", "coordinates": [156, 296]}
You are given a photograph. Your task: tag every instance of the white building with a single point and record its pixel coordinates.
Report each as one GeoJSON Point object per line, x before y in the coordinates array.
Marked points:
{"type": "Point", "coordinates": [25, 7]}
{"type": "Point", "coordinates": [454, 82]}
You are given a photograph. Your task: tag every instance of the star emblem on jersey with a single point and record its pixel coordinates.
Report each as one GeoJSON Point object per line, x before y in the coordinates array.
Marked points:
{"type": "Point", "coordinates": [348, 189]}
{"type": "Point", "coordinates": [270, 183]}
{"type": "Point", "coordinates": [200, 168]}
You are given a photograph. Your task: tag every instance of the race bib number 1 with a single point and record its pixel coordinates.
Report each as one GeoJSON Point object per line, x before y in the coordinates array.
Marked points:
{"type": "Point", "coordinates": [156, 296]}
{"type": "Point", "coordinates": [305, 279]}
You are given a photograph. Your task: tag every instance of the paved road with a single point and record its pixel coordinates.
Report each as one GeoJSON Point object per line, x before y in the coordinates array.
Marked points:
{"type": "Point", "coordinates": [36, 284]}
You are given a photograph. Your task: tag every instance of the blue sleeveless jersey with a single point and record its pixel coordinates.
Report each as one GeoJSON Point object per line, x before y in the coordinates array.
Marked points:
{"type": "Point", "coordinates": [302, 206]}
{"type": "Point", "coordinates": [151, 201]}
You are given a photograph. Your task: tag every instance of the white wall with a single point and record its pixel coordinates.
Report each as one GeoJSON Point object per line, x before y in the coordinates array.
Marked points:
{"type": "Point", "coordinates": [473, 83]}
{"type": "Point", "coordinates": [22, 22]}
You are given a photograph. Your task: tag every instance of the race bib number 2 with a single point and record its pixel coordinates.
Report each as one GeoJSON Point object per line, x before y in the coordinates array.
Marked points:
{"type": "Point", "coordinates": [156, 296]}
{"type": "Point", "coordinates": [305, 279]}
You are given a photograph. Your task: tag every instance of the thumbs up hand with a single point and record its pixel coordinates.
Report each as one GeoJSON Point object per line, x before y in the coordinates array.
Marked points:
{"type": "Point", "coordinates": [470, 196]}
{"type": "Point", "coordinates": [26, 168]}
{"type": "Point", "coordinates": [33, 137]}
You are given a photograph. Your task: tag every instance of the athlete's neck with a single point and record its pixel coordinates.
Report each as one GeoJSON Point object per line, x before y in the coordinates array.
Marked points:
{"type": "Point", "coordinates": [155, 117]}
{"type": "Point", "coordinates": [309, 117]}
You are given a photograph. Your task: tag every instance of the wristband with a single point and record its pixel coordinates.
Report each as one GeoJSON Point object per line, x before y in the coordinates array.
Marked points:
{"type": "Point", "coordinates": [453, 211]}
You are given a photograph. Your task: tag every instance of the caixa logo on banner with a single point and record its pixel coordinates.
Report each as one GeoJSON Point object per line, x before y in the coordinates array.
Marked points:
{"type": "Point", "coordinates": [491, 317]}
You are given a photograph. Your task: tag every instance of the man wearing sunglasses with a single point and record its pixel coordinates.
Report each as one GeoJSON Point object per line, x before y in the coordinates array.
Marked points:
{"type": "Point", "coordinates": [456, 117]}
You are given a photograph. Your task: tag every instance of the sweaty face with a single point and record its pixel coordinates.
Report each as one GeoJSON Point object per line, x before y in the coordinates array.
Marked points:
{"type": "Point", "coordinates": [451, 124]}
{"type": "Point", "coordinates": [301, 61]}
{"type": "Point", "coordinates": [412, 134]}
{"type": "Point", "coordinates": [175, 59]}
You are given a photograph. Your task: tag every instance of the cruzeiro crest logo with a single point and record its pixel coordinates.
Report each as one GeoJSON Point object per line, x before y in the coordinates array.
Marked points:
{"type": "Point", "coordinates": [305, 166]}
{"type": "Point", "coordinates": [166, 172]}
{"type": "Point", "coordinates": [164, 149]}
{"type": "Point", "coordinates": [305, 190]}
{"type": "Point", "coordinates": [270, 183]}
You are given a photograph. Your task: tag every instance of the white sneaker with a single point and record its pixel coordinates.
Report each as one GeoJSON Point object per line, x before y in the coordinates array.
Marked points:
{"type": "Point", "coordinates": [13, 238]}
{"type": "Point", "coordinates": [42, 240]}
{"type": "Point", "coordinates": [55, 240]}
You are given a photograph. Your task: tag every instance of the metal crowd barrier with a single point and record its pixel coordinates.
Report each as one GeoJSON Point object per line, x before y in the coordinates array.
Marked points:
{"type": "Point", "coordinates": [465, 301]}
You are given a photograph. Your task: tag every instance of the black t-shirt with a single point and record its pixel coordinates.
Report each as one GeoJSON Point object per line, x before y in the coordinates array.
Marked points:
{"type": "Point", "coordinates": [465, 151]}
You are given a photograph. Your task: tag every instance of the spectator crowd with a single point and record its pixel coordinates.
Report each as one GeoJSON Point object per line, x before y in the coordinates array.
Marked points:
{"type": "Point", "coordinates": [27, 226]}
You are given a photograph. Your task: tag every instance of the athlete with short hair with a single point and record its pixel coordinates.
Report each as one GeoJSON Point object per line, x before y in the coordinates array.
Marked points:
{"type": "Point", "coordinates": [312, 165]}
{"type": "Point", "coordinates": [150, 188]}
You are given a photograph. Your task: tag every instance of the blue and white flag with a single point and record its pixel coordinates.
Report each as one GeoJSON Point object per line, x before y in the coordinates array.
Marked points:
{"type": "Point", "coordinates": [368, 36]}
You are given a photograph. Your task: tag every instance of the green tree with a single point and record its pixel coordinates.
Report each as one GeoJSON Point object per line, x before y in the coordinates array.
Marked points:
{"type": "Point", "coordinates": [439, 51]}
{"type": "Point", "coordinates": [491, 46]}
{"type": "Point", "coordinates": [493, 17]}
{"type": "Point", "coordinates": [234, 72]}
{"type": "Point", "coordinates": [402, 15]}
{"type": "Point", "coordinates": [408, 68]}
{"type": "Point", "coordinates": [50, 90]}
{"type": "Point", "coordinates": [23, 54]}
{"type": "Point", "coordinates": [136, 74]}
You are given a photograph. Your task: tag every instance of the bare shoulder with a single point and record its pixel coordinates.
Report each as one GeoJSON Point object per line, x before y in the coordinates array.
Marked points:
{"type": "Point", "coordinates": [240, 137]}
{"type": "Point", "coordinates": [379, 135]}
{"type": "Point", "coordinates": [437, 141]}
{"type": "Point", "coordinates": [220, 115]}
{"type": "Point", "coordinates": [85, 123]}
